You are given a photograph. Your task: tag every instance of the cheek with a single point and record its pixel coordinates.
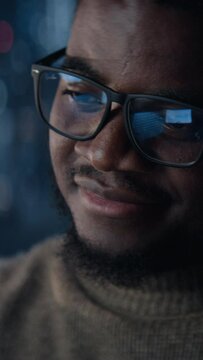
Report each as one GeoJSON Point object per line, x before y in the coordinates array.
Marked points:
{"type": "Point", "coordinates": [188, 183]}
{"type": "Point", "coordinates": [61, 151]}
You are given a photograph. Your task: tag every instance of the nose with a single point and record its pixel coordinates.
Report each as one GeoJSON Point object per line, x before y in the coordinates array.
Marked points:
{"type": "Point", "coordinates": [111, 149]}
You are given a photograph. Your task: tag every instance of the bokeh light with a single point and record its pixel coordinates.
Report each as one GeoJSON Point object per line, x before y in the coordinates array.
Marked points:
{"type": "Point", "coordinates": [7, 129]}
{"type": "Point", "coordinates": [3, 96]}
{"type": "Point", "coordinates": [27, 124]}
{"type": "Point", "coordinates": [6, 37]}
{"type": "Point", "coordinates": [6, 193]}
{"type": "Point", "coordinates": [20, 56]}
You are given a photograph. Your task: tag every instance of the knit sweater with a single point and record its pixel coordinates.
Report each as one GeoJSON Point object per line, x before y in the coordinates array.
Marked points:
{"type": "Point", "coordinates": [47, 313]}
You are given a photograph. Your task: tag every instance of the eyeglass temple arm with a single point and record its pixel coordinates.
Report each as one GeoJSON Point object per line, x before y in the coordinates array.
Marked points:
{"type": "Point", "coordinates": [51, 58]}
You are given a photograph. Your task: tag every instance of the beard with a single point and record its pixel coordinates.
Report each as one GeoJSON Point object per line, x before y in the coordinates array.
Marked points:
{"type": "Point", "coordinates": [180, 249]}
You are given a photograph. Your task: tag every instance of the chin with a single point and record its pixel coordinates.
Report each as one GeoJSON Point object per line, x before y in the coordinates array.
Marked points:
{"type": "Point", "coordinates": [116, 238]}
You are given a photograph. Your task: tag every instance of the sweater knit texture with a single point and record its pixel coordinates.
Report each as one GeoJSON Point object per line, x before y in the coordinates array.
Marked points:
{"type": "Point", "coordinates": [48, 313]}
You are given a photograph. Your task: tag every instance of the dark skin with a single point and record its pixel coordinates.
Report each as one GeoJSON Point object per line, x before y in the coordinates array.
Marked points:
{"type": "Point", "coordinates": [137, 47]}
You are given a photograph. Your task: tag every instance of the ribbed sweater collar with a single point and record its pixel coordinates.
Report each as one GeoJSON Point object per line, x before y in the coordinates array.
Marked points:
{"type": "Point", "coordinates": [178, 293]}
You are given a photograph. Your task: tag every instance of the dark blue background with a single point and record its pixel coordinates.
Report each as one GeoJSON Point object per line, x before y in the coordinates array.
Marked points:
{"type": "Point", "coordinates": [27, 210]}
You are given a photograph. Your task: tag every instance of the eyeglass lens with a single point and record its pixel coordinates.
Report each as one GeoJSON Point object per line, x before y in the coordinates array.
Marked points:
{"type": "Point", "coordinates": [70, 104]}
{"type": "Point", "coordinates": [164, 130]}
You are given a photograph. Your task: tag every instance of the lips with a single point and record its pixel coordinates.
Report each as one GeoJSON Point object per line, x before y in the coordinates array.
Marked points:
{"type": "Point", "coordinates": [110, 192]}
{"type": "Point", "coordinates": [114, 201]}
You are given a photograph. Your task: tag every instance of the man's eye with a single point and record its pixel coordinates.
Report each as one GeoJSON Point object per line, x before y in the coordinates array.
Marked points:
{"type": "Point", "coordinates": [86, 102]}
{"type": "Point", "coordinates": [83, 98]}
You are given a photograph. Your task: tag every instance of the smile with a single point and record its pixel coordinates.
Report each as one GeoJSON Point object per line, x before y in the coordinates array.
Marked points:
{"type": "Point", "coordinates": [114, 202]}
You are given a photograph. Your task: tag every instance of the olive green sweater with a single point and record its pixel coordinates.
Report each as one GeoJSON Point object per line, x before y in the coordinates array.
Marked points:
{"type": "Point", "coordinates": [46, 313]}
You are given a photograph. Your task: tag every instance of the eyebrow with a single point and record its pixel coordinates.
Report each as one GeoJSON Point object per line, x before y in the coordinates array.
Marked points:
{"type": "Point", "coordinates": [84, 67]}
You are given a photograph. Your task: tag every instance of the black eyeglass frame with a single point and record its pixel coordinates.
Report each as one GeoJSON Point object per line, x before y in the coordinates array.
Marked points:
{"type": "Point", "coordinates": [123, 99]}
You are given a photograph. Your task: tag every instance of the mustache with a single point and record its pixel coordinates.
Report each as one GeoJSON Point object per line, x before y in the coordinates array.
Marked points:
{"type": "Point", "coordinates": [127, 180]}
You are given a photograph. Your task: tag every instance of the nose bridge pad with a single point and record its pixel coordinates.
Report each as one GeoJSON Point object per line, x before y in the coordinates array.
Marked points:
{"type": "Point", "coordinates": [117, 105]}
{"type": "Point", "coordinates": [116, 110]}
{"type": "Point", "coordinates": [118, 101]}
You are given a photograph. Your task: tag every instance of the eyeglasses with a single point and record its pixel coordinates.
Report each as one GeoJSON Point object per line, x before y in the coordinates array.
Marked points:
{"type": "Point", "coordinates": [162, 130]}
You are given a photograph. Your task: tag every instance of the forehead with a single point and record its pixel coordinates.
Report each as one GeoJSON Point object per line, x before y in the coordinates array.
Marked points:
{"type": "Point", "coordinates": [138, 40]}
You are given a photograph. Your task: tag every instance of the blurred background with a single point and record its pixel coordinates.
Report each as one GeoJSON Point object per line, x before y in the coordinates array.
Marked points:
{"type": "Point", "coordinates": [29, 30]}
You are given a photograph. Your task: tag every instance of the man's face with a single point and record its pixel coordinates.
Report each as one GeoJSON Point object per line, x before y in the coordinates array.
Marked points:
{"type": "Point", "coordinates": [121, 202]}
